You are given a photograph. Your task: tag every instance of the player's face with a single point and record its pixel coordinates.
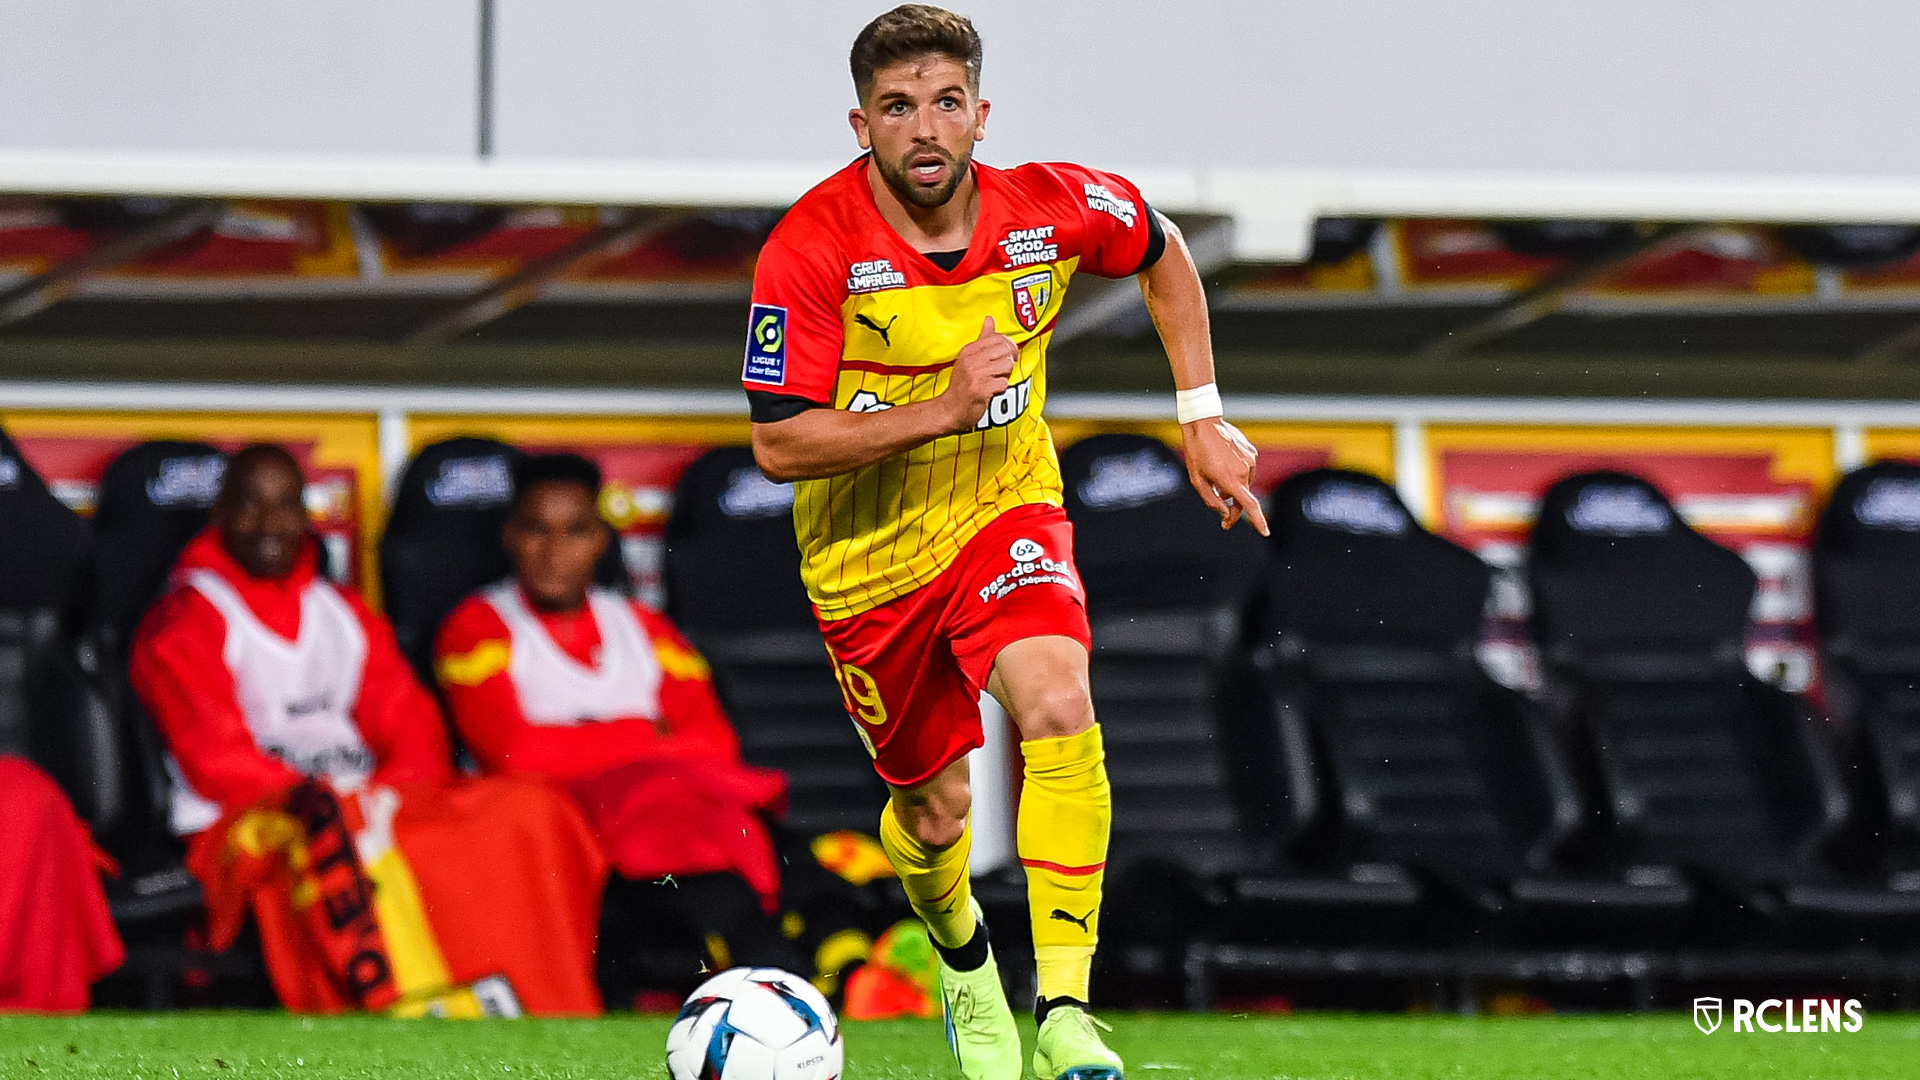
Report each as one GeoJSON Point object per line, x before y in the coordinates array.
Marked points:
{"type": "Point", "coordinates": [554, 538]}
{"type": "Point", "coordinates": [921, 122]}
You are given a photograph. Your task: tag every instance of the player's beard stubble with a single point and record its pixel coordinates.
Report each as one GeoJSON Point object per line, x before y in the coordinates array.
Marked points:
{"type": "Point", "coordinates": [927, 198]}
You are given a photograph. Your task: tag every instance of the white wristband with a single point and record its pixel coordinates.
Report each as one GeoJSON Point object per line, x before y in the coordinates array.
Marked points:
{"type": "Point", "coordinates": [1199, 403]}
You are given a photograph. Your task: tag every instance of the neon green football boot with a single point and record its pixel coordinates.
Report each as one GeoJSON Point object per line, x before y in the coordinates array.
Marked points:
{"type": "Point", "coordinates": [1070, 1048]}
{"type": "Point", "coordinates": [980, 1028]}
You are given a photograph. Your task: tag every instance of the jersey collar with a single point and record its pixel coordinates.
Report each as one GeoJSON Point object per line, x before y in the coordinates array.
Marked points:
{"type": "Point", "coordinates": [963, 270]}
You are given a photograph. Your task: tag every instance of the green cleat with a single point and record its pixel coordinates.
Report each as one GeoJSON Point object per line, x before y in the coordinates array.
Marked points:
{"type": "Point", "coordinates": [1069, 1048]}
{"type": "Point", "coordinates": [980, 1028]}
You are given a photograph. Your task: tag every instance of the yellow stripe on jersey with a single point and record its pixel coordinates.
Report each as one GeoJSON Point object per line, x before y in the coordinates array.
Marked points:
{"type": "Point", "coordinates": [871, 536]}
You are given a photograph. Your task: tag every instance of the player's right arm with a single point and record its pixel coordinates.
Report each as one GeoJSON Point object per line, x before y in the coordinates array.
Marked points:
{"type": "Point", "coordinates": [795, 341]}
{"type": "Point", "coordinates": [821, 442]}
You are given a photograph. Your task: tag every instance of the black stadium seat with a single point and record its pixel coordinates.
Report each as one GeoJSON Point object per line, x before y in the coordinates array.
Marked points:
{"type": "Point", "coordinates": [1698, 767]}
{"type": "Point", "coordinates": [1165, 590]}
{"type": "Point", "coordinates": [1866, 573]}
{"type": "Point", "coordinates": [442, 540]}
{"type": "Point", "coordinates": [1387, 772]}
{"type": "Point", "coordinates": [45, 712]}
{"type": "Point", "coordinates": [153, 499]}
{"type": "Point", "coordinates": [732, 575]}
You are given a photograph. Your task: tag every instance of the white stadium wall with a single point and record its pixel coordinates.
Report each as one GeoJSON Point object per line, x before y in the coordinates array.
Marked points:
{"type": "Point", "coordinates": [1270, 114]}
{"type": "Point", "coordinates": [1668, 86]}
{"type": "Point", "coordinates": [1717, 86]}
{"type": "Point", "coordinates": [340, 77]}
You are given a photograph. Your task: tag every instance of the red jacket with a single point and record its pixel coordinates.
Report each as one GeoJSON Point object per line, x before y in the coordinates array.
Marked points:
{"type": "Point", "coordinates": [178, 671]}
{"type": "Point", "coordinates": [665, 794]}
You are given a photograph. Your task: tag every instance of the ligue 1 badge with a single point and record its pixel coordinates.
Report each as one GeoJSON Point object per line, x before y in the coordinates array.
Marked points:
{"type": "Point", "coordinates": [1706, 1014]}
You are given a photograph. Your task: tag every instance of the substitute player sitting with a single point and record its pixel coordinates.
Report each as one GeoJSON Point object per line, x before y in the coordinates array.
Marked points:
{"type": "Point", "coordinates": [896, 370]}
{"type": "Point", "coordinates": [549, 676]}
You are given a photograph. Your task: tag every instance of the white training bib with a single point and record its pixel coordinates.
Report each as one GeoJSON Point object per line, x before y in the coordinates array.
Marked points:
{"type": "Point", "coordinates": [298, 696]}
{"type": "Point", "coordinates": [554, 688]}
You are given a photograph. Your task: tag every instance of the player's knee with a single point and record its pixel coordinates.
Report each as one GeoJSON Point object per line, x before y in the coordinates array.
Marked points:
{"type": "Point", "coordinates": [936, 813]}
{"type": "Point", "coordinates": [1056, 712]}
{"type": "Point", "coordinates": [939, 830]}
{"type": "Point", "coordinates": [938, 823]}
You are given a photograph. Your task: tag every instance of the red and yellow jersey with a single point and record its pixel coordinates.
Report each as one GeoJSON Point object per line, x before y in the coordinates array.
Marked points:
{"type": "Point", "coordinates": [847, 315]}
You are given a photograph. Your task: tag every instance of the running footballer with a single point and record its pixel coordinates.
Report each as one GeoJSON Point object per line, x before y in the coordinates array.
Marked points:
{"type": "Point", "coordinates": [896, 370]}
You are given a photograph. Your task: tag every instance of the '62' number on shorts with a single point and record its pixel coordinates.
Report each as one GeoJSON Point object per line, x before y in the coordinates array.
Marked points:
{"type": "Point", "coordinates": [861, 693]}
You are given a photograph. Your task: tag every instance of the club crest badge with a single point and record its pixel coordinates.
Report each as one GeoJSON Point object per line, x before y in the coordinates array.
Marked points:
{"type": "Point", "coordinates": [1030, 295]}
{"type": "Point", "coordinates": [1706, 1014]}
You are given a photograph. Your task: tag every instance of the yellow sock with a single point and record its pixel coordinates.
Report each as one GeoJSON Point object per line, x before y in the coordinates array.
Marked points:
{"type": "Point", "coordinates": [1066, 812]}
{"type": "Point", "coordinates": [935, 878]}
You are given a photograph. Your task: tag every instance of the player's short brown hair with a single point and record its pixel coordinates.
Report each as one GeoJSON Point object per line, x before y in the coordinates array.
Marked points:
{"type": "Point", "coordinates": [914, 30]}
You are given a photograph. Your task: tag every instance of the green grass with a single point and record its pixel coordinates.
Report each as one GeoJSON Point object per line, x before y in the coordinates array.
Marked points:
{"type": "Point", "coordinates": [1157, 1047]}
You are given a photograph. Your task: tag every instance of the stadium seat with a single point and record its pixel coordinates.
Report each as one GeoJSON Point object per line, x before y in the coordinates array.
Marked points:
{"type": "Point", "coordinates": [153, 499]}
{"type": "Point", "coordinates": [1166, 588]}
{"type": "Point", "coordinates": [442, 540]}
{"type": "Point", "coordinates": [46, 710]}
{"type": "Point", "coordinates": [1866, 566]}
{"type": "Point", "coordinates": [732, 573]}
{"type": "Point", "coordinates": [1700, 770]}
{"type": "Point", "coordinates": [1397, 787]}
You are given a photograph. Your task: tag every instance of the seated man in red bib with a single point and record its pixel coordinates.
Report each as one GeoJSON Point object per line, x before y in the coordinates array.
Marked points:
{"type": "Point", "coordinates": [547, 675]}
{"type": "Point", "coordinates": [312, 773]}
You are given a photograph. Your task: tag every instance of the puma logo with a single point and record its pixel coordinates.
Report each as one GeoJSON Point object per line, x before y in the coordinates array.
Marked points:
{"type": "Point", "coordinates": [883, 331]}
{"type": "Point", "coordinates": [1079, 921]}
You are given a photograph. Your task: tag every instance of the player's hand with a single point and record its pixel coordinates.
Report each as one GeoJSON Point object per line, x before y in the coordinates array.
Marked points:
{"type": "Point", "coordinates": [979, 372]}
{"type": "Point", "coordinates": [1220, 464]}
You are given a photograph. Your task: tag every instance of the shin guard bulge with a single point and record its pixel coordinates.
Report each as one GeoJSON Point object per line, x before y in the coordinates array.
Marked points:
{"type": "Point", "coordinates": [935, 878]}
{"type": "Point", "coordinates": [1066, 812]}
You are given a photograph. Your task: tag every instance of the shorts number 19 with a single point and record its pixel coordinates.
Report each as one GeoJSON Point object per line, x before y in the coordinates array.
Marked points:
{"type": "Point", "coordinates": [861, 693]}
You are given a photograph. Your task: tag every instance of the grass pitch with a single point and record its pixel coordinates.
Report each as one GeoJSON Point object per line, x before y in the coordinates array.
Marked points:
{"type": "Point", "coordinates": [1157, 1047]}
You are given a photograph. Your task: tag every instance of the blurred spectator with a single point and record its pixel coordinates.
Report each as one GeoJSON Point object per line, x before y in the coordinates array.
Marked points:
{"type": "Point", "coordinates": [53, 916]}
{"type": "Point", "coordinates": [549, 676]}
{"type": "Point", "coordinates": [311, 766]}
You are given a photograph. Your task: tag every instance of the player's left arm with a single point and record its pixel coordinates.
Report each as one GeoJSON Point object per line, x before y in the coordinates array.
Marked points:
{"type": "Point", "coordinates": [1220, 460]}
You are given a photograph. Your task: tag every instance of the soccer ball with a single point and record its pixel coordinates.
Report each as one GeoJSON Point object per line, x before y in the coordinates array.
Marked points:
{"type": "Point", "coordinates": [755, 1024]}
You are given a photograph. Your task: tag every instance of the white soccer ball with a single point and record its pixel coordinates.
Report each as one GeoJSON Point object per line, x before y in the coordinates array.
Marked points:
{"type": "Point", "coordinates": [755, 1024]}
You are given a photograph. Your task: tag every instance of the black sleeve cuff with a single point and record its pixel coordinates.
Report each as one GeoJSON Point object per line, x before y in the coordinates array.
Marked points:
{"type": "Point", "coordinates": [766, 407]}
{"type": "Point", "coordinates": [1156, 240]}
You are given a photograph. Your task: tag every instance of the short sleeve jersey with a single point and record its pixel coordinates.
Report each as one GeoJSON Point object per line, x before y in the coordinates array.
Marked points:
{"type": "Point", "coordinates": [846, 315]}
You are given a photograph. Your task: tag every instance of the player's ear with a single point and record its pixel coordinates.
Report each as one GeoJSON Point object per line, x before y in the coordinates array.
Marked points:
{"type": "Point", "coordinates": [980, 110]}
{"type": "Point", "coordinates": [857, 119]}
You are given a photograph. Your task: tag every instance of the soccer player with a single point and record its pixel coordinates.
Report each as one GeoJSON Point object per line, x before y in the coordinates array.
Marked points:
{"type": "Point", "coordinates": [896, 370]}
